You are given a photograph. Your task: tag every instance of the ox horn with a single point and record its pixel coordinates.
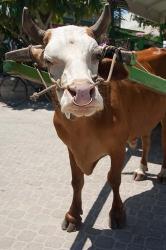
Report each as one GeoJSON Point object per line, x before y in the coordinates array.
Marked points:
{"type": "Point", "coordinates": [101, 26]}
{"type": "Point", "coordinates": [30, 28]}
{"type": "Point", "coordinates": [22, 55]}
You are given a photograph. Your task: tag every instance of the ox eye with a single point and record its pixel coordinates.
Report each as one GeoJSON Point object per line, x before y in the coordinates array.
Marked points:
{"type": "Point", "coordinates": [47, 62]}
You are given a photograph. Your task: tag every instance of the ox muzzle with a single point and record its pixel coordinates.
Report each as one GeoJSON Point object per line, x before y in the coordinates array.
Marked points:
{"type": "Point", "coordinates": [82, 92]}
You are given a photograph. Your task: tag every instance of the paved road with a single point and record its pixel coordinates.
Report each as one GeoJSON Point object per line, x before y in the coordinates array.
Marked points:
{"type": "Point", "coordinates": [35, 191]}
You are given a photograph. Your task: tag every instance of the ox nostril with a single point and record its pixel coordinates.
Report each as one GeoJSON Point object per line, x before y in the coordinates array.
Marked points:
{"type": "Point", "coordinates": [72, 92]}
{"type": "Point", "coordinates": [92, 92]}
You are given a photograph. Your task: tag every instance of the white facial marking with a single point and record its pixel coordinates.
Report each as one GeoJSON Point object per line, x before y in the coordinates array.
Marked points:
{"type": "Point", "coordinates": [70, 48]}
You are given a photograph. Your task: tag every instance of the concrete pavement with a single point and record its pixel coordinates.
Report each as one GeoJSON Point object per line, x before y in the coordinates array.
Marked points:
{"type": "Point", "coordinates": [35, 191]}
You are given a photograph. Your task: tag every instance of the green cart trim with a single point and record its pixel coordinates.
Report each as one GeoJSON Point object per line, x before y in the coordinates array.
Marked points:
{"type": "Point", "coordinates": [26, 72]}
{"type": "Point", "coordinates": [153, 82]}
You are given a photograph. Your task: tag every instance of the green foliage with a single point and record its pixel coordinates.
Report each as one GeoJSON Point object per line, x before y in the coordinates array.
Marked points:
{"type": "Point", "coordinates": [83, 8]}
{"type": "Point", "coordinates": [44, 12]}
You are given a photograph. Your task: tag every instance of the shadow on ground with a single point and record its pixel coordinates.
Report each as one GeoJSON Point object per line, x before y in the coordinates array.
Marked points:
{"type": "Point", "coordinates": [146, 215]}
{"type": "Point", "coordinates": [42, 104]}
{"type": "Point", "coordinates": [145, 229]}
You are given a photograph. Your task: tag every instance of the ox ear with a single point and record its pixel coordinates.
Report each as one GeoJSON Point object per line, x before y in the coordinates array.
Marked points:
{"type": "Point", "coordinates": [101, 26]}
{"type": "Point", "coordinates": [38, 56]}
{"type": "Point", "coordinates": [30, 28]}
{"type": "Point", "coordinates": [119, 71]}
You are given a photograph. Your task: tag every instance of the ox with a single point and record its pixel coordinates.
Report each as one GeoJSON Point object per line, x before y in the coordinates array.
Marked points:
{"type": "Point", "coordinates": [95, 121]}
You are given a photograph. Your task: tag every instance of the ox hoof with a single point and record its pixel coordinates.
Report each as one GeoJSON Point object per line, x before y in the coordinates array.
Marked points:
{"type": "Point", "coordinates": [140, 173]}
{"type": "Point", "coordinates": [70, 224]}
{"type": "Point", "coordinates": [138, 177]}
{"type": "Point", "coordinates": [117, 221]}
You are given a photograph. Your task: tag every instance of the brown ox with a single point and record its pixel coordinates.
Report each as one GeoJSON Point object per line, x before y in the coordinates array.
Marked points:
{"type": "Point", "coordinates": [155, 63]}
{"type": "Point", "coordinates": [130, 111]}
{"type": "Point", "coordinates": [95, 121]}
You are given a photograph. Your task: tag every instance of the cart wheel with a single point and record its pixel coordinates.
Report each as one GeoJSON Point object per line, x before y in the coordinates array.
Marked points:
{"type": "Point", "coordinates": [13, 90]}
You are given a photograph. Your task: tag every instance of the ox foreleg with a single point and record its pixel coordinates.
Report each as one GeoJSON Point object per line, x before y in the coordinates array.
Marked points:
{"type": "Point", "coordinates": [140, 173]}
{"type": "Point", "coordinates": [73, 217]}
{"type": "Point", "coordinates": [117, 213]}
{"type": "Point", "coordinates": [162, 175]}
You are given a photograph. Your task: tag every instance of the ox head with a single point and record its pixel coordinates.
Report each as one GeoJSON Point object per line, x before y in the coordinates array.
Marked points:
{"type": "Point", "coordinates": [69, 54]}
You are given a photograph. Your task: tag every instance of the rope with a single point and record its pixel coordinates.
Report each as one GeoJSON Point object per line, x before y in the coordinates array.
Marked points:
{"type": "Point", "coordinates": [57, 84]}
{"type": "Point", "coordinates": [40, 75]}
{"type": "Point", "coordinates": [111, 68]}
{"type": "Point", "coordinates": [36, 95]}
{"type": "Point", "coordinates": [142, 66]}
